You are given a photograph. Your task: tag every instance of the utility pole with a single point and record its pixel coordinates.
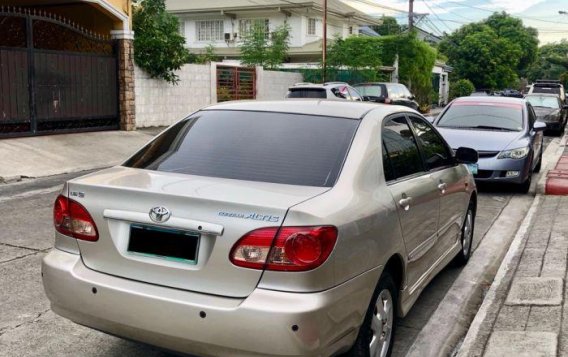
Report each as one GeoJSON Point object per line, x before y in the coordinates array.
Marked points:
{"type": "Point", "coordinates": [410, 15]}
{"type": "Point", "coordinates": [324, 42]}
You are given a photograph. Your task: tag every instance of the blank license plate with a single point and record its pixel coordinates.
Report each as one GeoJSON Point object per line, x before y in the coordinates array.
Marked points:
{"type": "Point", "coordinates": [164, 243]}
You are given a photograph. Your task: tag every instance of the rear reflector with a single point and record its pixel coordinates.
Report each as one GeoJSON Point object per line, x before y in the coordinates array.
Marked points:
{"type": "Point", "coordinates": [287, 249]}
{"type": "Point", "coordinates": [73, 220]}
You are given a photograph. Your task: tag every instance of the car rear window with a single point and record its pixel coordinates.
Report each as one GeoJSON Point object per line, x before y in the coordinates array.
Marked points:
{"type": "Point", "coordinates": [281, 148]}
{"type": "Point", "coordinates": [484, 116]}
{"type": "Point", "coordinates": [370, 90]}
{"type": "Point", "coordinates": [307, 93]}
{"type": "Point", "coordinates": [549, 90]}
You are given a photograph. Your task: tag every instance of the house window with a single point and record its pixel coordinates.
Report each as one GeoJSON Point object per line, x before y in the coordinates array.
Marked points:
{"type": "Point", "coordinates": [247, 25]}
{"type": "Point", "coordinates": [210, 30]}
{"type": "Point", "coordinates": [182, 27]}
{"type": "Point", "coordinates": [312, 26]}
{"type": "Point", "coordinates": [351, 30]}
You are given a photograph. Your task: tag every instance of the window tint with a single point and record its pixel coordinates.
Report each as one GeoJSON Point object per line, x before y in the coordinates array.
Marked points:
{"type": "Point", "coordinates": [435, 151]}
{"type": "Point", "coordinates": [254, 146]}
{"type": "Point", "coordinates": [531, 115]}
{"type": "Point", "coordinates": [341, 92]}
{"type": "Point", "coordinates": [401, 148]}
{"type": "Point", "coordinates": [387, 165]}
{"type": "Point", "coordinates": [306, 93]}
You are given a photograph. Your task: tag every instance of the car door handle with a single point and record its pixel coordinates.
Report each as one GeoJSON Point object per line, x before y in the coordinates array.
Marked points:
{"type": "Point", "coordinates": [405, 203]}
{"type": "Point", "coordinates": [443, 187]}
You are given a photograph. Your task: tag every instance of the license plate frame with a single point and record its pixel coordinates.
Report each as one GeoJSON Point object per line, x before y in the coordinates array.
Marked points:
{"type": "Point", "coordinates": [473, 168]}
{"type": "Point", "coordinates": [177, 245]}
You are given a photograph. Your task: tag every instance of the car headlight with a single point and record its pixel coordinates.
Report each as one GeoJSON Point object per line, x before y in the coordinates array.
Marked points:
{"type": "Point", "coordinates": [519, 153]}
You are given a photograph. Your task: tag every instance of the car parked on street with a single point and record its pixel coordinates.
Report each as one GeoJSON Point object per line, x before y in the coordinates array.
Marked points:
{"type": "Point", "coordinates": [328, 90]}
{"type": "Point", "coordinates": [549, 87]}
{"type": "Point", "coordinates": [504, 131]}
{"type": "Point", "coordinates": [281, 228]}
{"type": "Point", "coordinates": [387, 93]}
{"type": "Point", "coordinates": [550, 110]}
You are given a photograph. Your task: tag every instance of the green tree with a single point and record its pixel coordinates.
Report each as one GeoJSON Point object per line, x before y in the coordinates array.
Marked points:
{"type": "Point", "coordinates": [208, 56]}
{"type": "Point", "coordinates": [492, 53]}
{"type": "Point", "coordinates": [461, 88]}
{"type": "Point", "coordinates": [388, 27]}
{"type": "Point", "coordinates": [158, 45]}
{"type": "Point", "coordinates": [258, 50]}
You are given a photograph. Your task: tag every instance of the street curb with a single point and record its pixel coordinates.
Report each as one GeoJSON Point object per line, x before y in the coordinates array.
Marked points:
{"type": "Point", "coordinates": [510, 261]}
{"type": "Point", "coordinates": [554, 152]}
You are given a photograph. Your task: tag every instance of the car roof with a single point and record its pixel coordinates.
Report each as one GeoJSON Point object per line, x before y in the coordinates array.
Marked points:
{"type": "Point", "coordinates": [331, 108]}
{"type": "Point", "coordinates": [317, 85]}
{"type": "Point", "coordinates": [542, 95]}
{"type": "Point", "coordinates": [492, 99]}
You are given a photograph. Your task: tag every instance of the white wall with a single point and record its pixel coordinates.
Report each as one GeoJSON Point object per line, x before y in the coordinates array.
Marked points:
{"type": "Point", "coordinates": [159, 103]}
{"type": "Point", "coordinates": [273, 85]}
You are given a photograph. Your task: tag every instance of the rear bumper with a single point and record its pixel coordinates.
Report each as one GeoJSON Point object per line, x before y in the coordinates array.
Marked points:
{"type": "Point", "coordinates": [261, 324]}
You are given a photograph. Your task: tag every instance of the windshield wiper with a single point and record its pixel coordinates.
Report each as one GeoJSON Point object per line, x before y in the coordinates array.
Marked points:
{"type": "Point", "coordinates": [489, 127]}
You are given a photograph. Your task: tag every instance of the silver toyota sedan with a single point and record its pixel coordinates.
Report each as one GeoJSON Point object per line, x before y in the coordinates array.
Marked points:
{"type": "Point", "coordinates": [288, 228]}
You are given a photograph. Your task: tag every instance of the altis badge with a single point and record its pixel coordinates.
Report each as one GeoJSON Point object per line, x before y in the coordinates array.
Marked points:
{"type": "Point", "coordinates": [253, 216]}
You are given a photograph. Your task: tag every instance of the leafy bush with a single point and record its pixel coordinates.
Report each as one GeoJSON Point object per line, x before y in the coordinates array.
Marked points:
{"type": "Point", "coordinates": [158, 46]}
{"type": "Point", "coordinates": [461, 88]}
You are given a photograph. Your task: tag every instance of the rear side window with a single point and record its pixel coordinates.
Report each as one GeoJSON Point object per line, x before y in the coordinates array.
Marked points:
{"type": "Point", "coordinates": [436, 153]}
{"type": "Point", "coordinates": [401, 148]}
{"type": "Point", "coordinates": [371, 90]}
{"type": "Point", "coordinates": [307, 93]}
{"type": "Point", "coordinates": [253, 146]}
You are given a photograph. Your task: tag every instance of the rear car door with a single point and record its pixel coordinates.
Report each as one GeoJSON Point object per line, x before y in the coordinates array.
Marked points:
{"type": "Point", "coordinates": [449, 178]}
{"type": "Point", "coordinates": [414, 192]}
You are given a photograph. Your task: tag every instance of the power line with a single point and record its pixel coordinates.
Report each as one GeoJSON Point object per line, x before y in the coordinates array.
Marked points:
{"type": "Point", "coordinates": [436, 15]}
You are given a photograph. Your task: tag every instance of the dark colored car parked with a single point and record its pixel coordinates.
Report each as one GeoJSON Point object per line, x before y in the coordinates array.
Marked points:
{"type": "Point", "coordinates": [387, 93]}
{"type": "Point", "coordinates": [505, 133]}
{"type": "Point", "coordinates": [550, 110]}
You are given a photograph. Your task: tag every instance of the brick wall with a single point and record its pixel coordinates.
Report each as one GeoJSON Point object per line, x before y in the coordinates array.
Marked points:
{"type": "Point", "coordinates": [273, 85]}
{"type": "Point", "coordinates": [159, 103]}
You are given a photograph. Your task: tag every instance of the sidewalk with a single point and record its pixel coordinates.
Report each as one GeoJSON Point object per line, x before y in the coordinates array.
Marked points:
{"type": "Point", "coordinates": [57, 154]}
{"type": "Point", "coordinates": [525, 312]}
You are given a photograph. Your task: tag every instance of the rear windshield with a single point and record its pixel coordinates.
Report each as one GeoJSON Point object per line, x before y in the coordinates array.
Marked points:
{"type": "Point", "coordinates": [483, 116]}
{"type": "Point", "coordinates": [550, 90]}
{"type": "Point", "coordinates": [254, 146]}
{"type": "Point", "coordinates": [306, 93]}
{"type": "Point", "coordinates": [370, 90]}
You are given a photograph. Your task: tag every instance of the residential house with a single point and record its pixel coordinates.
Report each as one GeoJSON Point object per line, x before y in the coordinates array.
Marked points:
{"type": "Point", "coordinates": [224, 23]}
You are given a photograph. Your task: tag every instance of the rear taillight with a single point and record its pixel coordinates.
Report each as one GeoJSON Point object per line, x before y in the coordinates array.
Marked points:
{"type": "Point", "coordinates": [285, 249]}
{"type": "Point", "coordinates": [72, 219]}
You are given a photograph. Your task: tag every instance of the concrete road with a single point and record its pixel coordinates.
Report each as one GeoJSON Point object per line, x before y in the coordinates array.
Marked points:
{"type": "Point", "coordinates": [29, 328]}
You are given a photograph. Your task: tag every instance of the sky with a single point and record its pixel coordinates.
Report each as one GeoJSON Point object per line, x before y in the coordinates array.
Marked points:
{"type": "Point", "coordinates": [448, 15]}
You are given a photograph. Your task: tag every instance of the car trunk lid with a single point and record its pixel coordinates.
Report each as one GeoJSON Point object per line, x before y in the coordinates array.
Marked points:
{"type": "Point", "coordinates": [215, 212]}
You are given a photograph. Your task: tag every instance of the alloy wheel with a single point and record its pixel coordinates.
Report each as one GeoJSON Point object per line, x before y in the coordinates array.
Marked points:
{"type": "Point", "coordinates": [382, 325]}
{"type": "Point", "coordinates": [467, 233]}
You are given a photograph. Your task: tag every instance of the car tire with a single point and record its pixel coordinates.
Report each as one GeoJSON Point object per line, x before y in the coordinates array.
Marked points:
{"type": "Point", "coordinates": [466, 236]}
{"type": "Point", "coordinates": [371, 343]}
{"type": "Point", "coordinates": [526, 186]}
{"type": "Point", "coordinates": [539, 165]}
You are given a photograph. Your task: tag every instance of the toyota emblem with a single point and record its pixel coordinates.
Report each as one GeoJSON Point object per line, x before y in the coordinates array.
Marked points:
{"type": "Point", "coordinates": [160, 214]}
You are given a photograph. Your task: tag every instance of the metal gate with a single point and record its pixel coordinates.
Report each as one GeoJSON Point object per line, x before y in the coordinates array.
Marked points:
{"type": "Point", "coordinates": [235, 83]}
{"type": "Point", "coordinates": [54, 76]}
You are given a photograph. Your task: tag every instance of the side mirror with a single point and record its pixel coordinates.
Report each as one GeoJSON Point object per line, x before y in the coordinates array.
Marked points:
{"type": "Point", "coordinates": [365, 98]}
{"type": "Point", "coordinates": [412, 97]}
{"type": "Point", "coordinates": [466, 156]}
{"type": "Point", "coordinates": [539, 126]}
{"type": "Point", "coordinates": [565, 106]}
